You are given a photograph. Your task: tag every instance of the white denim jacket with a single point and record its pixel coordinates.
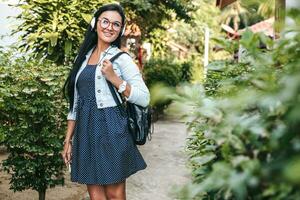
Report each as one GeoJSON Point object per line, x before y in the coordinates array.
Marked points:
{"type": "Point", "coordinates": [126, 69]}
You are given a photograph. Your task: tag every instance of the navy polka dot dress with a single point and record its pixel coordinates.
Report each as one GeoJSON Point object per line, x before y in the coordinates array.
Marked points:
{"type": "Point", "coordinates": [103, 151]}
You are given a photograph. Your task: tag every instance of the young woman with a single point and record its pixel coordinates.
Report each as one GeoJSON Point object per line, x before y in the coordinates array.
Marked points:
{"type": "Point", "coordinates": [98, 145]}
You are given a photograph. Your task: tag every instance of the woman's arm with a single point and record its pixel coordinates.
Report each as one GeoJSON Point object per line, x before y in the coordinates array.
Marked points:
{"type": "Point", "coordinates": [70, 130]}
{"type": "Point", "coordinates": [136, 90]}
{"type": "Point", "coordinates": [67, 152]}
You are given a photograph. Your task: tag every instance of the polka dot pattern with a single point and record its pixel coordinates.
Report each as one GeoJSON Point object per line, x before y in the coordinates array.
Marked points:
{"type": "Point", "coordinates": [103, 151]}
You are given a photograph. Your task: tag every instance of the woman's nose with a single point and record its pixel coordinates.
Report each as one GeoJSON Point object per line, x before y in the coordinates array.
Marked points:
{"type": "Point", "coordinates": [110, 27]}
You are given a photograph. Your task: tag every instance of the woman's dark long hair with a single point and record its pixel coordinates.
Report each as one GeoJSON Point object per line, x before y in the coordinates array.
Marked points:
{"type": "Point", "coordinates": [90, 40]}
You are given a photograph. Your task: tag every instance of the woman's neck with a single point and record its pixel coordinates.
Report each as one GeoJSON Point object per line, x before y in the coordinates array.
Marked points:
{"type": "Point", "coordinates": [101, 46]}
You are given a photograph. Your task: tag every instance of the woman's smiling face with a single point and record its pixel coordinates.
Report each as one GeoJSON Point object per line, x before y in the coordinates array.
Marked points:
{"type": "Point", "coordinates": [109, 26]}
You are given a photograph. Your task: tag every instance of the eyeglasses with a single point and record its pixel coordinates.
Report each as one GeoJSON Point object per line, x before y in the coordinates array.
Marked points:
{"type": "Point", "coordinates": [105, 23]}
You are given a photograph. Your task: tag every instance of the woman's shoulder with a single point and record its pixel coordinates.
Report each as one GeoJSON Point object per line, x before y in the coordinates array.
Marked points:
{"type": "Point", "coordinates": [123, 55]}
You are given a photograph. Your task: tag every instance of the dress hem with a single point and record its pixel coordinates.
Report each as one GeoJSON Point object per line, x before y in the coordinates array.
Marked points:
{"type": "Point", "coordinates": [112, 182]}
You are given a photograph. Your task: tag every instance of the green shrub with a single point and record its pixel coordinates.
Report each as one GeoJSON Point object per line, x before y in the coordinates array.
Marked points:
{"type": "Point", "coordinates": [224, 75]}
{"type": "Point", "coordinates": [32, 118]}
{"type": "Point", "coordinates": [160, 73]}
{"type": "Point", "coordinates": [164, 71]}
{"type": "Point", "coordinates": [186, 71]}
{"type": "Point", "coordinates": [246, 144]}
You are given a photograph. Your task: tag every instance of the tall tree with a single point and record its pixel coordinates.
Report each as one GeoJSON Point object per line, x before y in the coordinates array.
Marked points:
{"type": "Point", "coordinates": [280, 6]}
{"type": "Point", "coordinates": [246, 12]}
{"type": "Point", "coordinates": [267, 8]}
{"type": "Point", "coordinates": [234, 14]}
{"type": "Point", "coordinates": [53, 29]}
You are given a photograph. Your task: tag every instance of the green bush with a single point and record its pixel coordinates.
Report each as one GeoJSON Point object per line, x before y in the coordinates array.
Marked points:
{"type": "Point", "coordinates": [32, 118]}
{"type": "Point", "coordinates": [166, 71]}
{"type": "Point", "coordinates": [186, 71]}
{"type": "Point", "coordinates": [225, 76]}
{"type": "Point", "coordinates": [160, 73]}
{"type": "Point", "coordinates": [246, 144]}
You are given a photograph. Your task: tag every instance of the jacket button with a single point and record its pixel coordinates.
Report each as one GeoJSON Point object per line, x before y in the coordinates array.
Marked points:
{"type": "Point", "coordinates": [98, 91]}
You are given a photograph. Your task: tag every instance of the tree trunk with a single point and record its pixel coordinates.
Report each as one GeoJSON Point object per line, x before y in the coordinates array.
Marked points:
{"type": "Point", "coordinates": [42, 194]}
{"type": "Point", "coordinates": [280, 6]}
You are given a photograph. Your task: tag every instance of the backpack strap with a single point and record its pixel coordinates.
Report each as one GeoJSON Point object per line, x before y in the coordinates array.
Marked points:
{"type": "Point", "coordinates": [112, 59]}
{"type": "Point", "coordinates": [110, 85]}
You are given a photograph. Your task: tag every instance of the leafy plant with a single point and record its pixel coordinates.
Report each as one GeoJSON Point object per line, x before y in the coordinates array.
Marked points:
{"type": "Point", "coordinates": [225, 77]}
{"type": "Point", "coordinates": [162, 70]}
{"type": "Point", "coordinates": [245, 144]}
{"type": "Point", "coordinates": [161, 73]}
{"type": "Point", "coordinates": [32, 120]}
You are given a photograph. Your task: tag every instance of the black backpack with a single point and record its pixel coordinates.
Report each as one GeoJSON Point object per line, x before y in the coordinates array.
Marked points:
{"type": "Point", "coordinates": [140, 123]}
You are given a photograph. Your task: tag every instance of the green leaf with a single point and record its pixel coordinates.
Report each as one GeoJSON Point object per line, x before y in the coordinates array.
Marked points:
{"type": "Point", "coordinates": [68, 47]}
{"type": "Point", "coordinates": [87, 17]}
{"type": "Point", "coordinates": [201, 160]}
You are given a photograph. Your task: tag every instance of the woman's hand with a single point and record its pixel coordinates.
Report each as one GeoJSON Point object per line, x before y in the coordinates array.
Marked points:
{"type": "Point", "coordinates": [111, 76]}
{"type": "Point", "coordinates": [108, 71]}
{"type": "Point", "coordinates": [67, 153]}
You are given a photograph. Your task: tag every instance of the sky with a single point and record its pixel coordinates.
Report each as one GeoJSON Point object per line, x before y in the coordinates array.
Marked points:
{"type": "Point", "coordinates": [5, 23]}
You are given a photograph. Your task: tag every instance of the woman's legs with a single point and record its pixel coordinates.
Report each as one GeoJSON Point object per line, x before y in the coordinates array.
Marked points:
{"type": "Point", "coordinates": [116, 191]}
{"type": "Point", "coordinates": [96, 192]}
